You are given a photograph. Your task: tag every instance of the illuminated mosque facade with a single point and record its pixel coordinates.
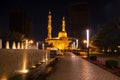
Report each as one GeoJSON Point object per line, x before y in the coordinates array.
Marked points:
{"type": "Point", "coordinates": [62, 41]}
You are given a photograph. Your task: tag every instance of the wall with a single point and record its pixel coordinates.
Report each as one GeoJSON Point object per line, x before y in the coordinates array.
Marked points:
{"type": "Point", "coordinates": [0, 43]}
{"type": "Point", "coordinates": [12, 61]}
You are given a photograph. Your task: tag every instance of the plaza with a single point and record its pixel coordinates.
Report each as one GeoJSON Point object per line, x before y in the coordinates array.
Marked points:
{"type": "Point", "coordinates": [72, 67]}
{"type": "Point", "coordinates": [60, 40]}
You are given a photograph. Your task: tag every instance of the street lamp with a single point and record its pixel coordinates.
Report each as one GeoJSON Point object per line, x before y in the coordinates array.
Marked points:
{"type": "Point", "coordinates": [87, 35]}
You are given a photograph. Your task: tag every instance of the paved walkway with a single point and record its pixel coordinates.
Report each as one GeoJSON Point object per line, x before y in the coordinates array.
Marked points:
{"type": "Point", "coordinates": [73, 67]}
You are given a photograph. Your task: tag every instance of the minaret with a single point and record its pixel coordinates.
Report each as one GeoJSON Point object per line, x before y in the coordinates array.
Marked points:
{"type": "Point", "coordinates": [63, 24]}
{"type": "Point", "coordinates": [63, 32]}
{"type": "Point", "coordinates": [49, 26]}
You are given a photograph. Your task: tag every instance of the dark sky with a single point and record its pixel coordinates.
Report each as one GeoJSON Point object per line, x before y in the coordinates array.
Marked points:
{"type": "Point", "coordinates": [101, 11]}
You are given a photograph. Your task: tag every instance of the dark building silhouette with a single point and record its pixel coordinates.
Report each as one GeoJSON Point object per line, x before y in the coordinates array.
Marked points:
{"type": "Point", "coordinates": [79, 17]}
{"type": "Point", "coordinates": [21, 23]}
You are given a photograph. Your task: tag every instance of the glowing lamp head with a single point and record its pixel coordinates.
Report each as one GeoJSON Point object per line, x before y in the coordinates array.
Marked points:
{"type": "Point", "coordinates": [24, 71]}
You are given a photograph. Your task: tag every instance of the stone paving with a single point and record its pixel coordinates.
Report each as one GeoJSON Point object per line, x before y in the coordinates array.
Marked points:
{"type": "Point", "coordinates": [72, 67]}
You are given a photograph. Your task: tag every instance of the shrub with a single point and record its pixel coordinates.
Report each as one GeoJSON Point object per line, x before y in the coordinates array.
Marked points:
{"type": "Point", "coordinates": [93, 57]}
{"type": "Point", "coordinates": [111, 64]}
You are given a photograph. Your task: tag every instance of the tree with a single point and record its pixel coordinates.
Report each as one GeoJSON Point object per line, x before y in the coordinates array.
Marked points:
{"type": "Point", "coordinates": [108, 37]}
{"type": "Point", "coordinates": [11, 36]}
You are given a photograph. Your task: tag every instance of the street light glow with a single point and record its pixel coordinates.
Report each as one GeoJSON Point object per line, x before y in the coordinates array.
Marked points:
{"type": "Point", "coordinates": [84, 41]}
{"type": "Point", "coordinates": [87, 31]}
{"type": "Point", "coordinates": [87, 34]}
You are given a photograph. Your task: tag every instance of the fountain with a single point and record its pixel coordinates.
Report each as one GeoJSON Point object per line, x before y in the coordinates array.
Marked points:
{"type": "Point", "coordinates": [43, 58]}
{"type": "Point", "coordinates": [14, 45]}
{"type": "Point", "coordinates": [7, 45]}
{"type": "Point", "coordinates": [18, 45]}
{"type": "Point", "coordinates": [43, 46]}
{"type": "Point", "coordinates": [46, 57]}
{"type": "Point", "coordinates": [26, 46]}
{"type": "Point", "coordinates": [24, 70]}
{"type": "Point", "coordinates": [76, 43]}
{"type": "Point", "coordinates": [37, 45]}
{"type": "Point", "coordinates": [24, 61]}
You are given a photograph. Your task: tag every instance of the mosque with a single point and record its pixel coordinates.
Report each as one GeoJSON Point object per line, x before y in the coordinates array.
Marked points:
{"type": "Point", "coordinates": [62, 41]}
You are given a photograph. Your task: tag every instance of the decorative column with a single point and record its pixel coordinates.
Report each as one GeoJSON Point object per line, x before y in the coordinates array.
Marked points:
{"type": "Point", "coordinates": [7, 45]}
{"type": "Point", "coordinates": [14, 45]}
{"type": "Point", "coordinates": [26, 45]}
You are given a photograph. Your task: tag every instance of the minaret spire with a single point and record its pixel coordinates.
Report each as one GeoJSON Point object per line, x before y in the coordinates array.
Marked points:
{"type": "Point", "coordinates": [63, 24]}
{"type": "Point", "coordinates": [49, 26]}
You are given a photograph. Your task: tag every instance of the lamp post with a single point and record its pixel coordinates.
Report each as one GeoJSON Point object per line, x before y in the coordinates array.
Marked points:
{"type": "Point", "coordinates": [87, 35]}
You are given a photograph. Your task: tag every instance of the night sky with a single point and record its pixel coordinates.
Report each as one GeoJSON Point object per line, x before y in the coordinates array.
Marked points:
{"type": "Point", "coordinates": [101, 11]}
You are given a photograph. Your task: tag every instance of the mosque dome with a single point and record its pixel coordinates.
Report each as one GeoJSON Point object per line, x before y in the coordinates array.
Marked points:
{"type": "Point", "coordinates": [62, 34]}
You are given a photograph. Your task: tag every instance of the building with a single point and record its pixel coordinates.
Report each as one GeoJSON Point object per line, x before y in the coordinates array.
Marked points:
{"type": "Point", "coordinates": [62, 41]}
{"type": "Point", "coordinates": [79, 17]}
